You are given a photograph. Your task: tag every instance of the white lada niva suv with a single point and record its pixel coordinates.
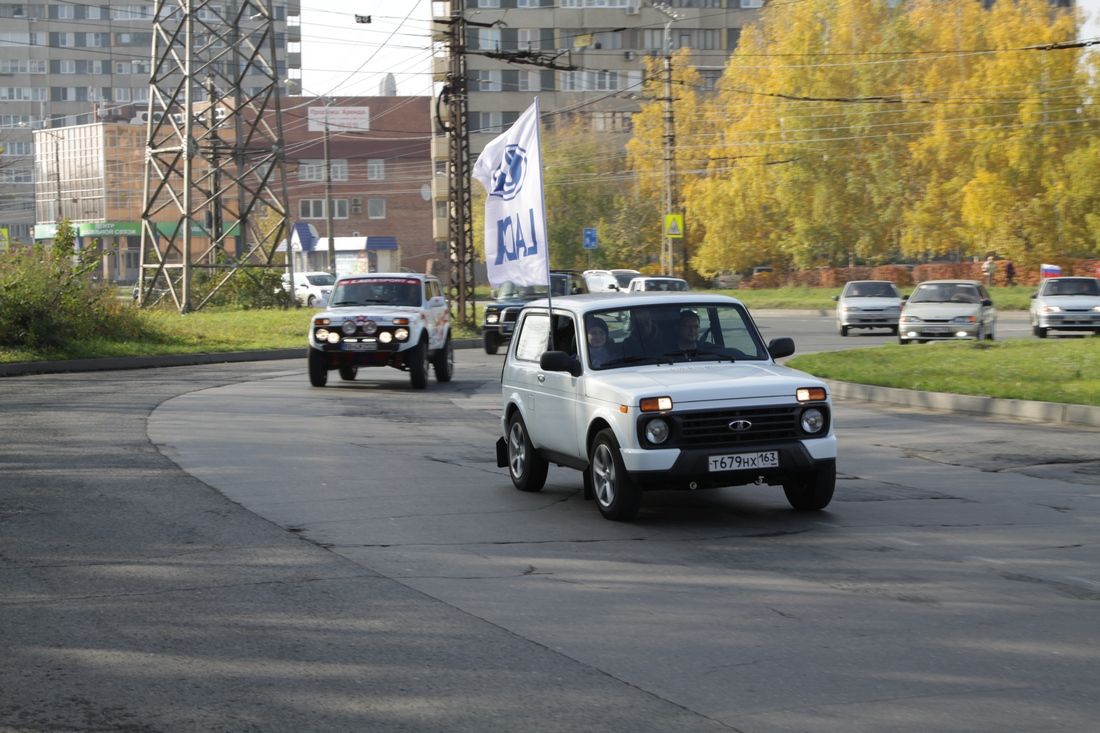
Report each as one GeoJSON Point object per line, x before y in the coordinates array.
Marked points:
{"type": "Point", "coordinates": [660, 391]}
{"type": "Point", "coordinates": [400, 320]}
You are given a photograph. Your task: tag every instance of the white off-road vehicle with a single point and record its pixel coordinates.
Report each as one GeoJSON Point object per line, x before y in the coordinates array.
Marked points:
{"type": "Point", "coordinates": [660, 391]}
{"type": "Point", "coordinates": [398, 319]}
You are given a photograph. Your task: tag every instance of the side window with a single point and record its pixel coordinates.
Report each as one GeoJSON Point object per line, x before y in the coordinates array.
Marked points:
{"type": "Point", "coordinates": [565, 334]}
{"type": "Point", "coordinates": [534, 334]}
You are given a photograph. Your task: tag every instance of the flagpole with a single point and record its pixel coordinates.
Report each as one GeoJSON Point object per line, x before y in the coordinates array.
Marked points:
{"type": "Point", "coordinates": [545, 241]}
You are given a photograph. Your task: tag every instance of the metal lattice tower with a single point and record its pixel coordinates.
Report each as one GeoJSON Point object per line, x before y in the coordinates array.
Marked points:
{"type": "Point", "coordinates": [463, 256]}
{"type": "Point", "coordinates": [215, 175]}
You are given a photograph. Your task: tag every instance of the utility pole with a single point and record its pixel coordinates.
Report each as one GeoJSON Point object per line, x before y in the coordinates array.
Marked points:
{"type": "Point", "coordinates": [670, 140]}
{"type": "Point", "coordinates": [57, 173]}
{"type": "Point", "coordinates": [328, 197]}
{"type": "Point", "coordinates": [460, 214]}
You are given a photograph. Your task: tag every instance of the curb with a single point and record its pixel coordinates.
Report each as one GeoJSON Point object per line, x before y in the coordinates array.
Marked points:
{"type": "Point", "coordinates": [1047, 412]}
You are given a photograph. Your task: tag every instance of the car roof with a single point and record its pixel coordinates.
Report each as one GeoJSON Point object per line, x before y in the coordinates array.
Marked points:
{"type": "Point", "coordinates": [869, 281]}
{"type": "Point", "coordinates": [1070, 277]}
{"type": "Point", "coordinates": [402, 275]}
{"type": "Point", "coordinates": [598, 301]}
{"type": "Point", "coordinates": [952, 282]}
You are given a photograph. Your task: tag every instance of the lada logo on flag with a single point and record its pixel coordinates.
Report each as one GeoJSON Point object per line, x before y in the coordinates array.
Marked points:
{"type": "Point", "coordinates": [508, 177]}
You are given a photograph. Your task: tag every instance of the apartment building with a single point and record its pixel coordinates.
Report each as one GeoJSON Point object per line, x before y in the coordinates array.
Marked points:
{"type": "Point", "coordinates": [73, 63]}
{"type": "Point", "coordinates": [606, 40]}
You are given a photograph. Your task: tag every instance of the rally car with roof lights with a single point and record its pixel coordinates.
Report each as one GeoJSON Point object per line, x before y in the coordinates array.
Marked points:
{"type": "Point", "coordinates": [660, 391]}
{"type": "Point", "coordinates": [399, 320]}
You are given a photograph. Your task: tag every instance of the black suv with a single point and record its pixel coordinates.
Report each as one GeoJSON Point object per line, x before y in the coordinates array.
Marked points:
{"type": "Point", "coordinates": [500, 314]}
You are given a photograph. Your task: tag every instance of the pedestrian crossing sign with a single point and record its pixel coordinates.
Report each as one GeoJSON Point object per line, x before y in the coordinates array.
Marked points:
{"type": "Point", "coordinates": [674, 226]}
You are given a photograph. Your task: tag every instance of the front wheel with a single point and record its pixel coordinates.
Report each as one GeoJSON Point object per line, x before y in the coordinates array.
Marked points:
{"type": "Point", "coordinates": [1040, 332]}
{"type": "Point", "coordinates": [616, 494]}
{"type": "Point", "coordinates": [843, 330]}
{"type": "Point", "coordinates": [347, 373]}
{"type": "Point", "coordinates": [811, 492]}
{"type": "Point", "coordinates": [417, 361]}
{"type": "Point", "coordinates": [492, 342]}
{"type": "Point", "coordinates": [444, 362]}
{"type": "Point", "coordinates": [318, 369]}
{"type": "Point", "coordinates": [310, 301]}
{"type": "Point", "coordinates": [526, 467]}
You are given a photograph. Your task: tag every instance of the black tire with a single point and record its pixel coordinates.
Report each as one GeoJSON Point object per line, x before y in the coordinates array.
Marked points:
{"type": "Point", "coordinates": [1040, 332]}
{"type": "Point", "coordinates": [525, 466]}
{"type": "Point", "coordinates": [492, 342]}
{"type": "Point", "coordinates": [310, 301]}
{"type": "Point", "coordinates": [811, 492]}
{"type": "Point", "coordinates": [417, 361]}
{"type": "Point", "coordinates": [318, 369]}
{"type": "Point", "coordinates": [902, 341]}
{"type": "Point", "coordinates": [347, 373]}
{"type": "Point", "coordinates": [444, 362]}
{"type": "Point", "coordinates": [894, 330]}
{"type": "Point", "coordinates": [617, 496]}
{"type": "Point", "coordinates": [843, 330]}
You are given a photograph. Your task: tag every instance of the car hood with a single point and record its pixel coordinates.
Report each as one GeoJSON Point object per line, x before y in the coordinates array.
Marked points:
{"type": "Point", "coordinates": [378, 313]}
{"type": "Point", "coordinates": [1073, 302]}
{"type": "Point", "coordinates": [941, 310]}
{"type": "Point", "coordinates": [871, 303]}
{"type": "Point", "coordinates": [699, 382]}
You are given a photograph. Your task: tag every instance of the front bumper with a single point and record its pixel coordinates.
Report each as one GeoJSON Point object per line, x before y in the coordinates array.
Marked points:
{"type": "Point", "coordinates": [1070, 321]}
{"type": "Point", "coordinates": [689, 469]}
{"type": "Point", "coordinates": [869, 320]}
{"type": "Point", "coordinates": [938, 331]}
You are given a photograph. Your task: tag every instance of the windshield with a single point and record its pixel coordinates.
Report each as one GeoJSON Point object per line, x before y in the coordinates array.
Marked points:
{"type": "Point", "coordinates": [871, 290]}
{"type": "Point", "coordinates": [946, 293]}
{"type": "Point", "coordinates": [1083, 286]}
{"type": "Point", "coordinates": [669, 334]}
{"type": "Point", "coordinates": [324, 279]}
{"type": "Point", "coordinates": [623, 277]}
{"type": "Point", "coordinates": [377, 290]}
{"type": "Point", "coordinates": [564, 284]}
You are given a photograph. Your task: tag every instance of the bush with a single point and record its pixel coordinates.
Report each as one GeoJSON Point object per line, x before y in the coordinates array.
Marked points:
{"type": "Point", "coordinates": [47, 298]}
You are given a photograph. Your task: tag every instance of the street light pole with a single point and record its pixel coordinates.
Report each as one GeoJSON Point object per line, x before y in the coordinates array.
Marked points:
{"type": "Point", "coordinates": [670, 136]}
{"type": "Point", "coordinates": [328, 196]}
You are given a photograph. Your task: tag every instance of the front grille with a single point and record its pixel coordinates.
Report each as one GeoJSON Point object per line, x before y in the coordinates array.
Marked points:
{"type": "Point", "coordinates": [509, 315]}
{"type": "Point", "coordinates": [711, 428]}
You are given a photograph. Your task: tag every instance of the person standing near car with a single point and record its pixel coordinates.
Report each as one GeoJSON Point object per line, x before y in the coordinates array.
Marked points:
{"type": "Point", "coordinates": [989, 268]}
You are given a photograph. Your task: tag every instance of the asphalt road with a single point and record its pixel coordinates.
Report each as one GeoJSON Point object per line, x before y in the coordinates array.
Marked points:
{"type": "Point", "coordinates": [225, 548]}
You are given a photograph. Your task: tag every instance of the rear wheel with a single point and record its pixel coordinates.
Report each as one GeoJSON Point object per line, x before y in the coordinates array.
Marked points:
{"type": "Point", "coordinates": [616, 494]}
{"type": "Point", "coordinates": [417, 361]}
{"type": "Point", "coordinates": [310, 301]}
{"type": "Point", "coordinates": [1040, 332]}
{"type": "Point", "coordinates": [526, 467]}
{"type": "Point", "coordinates": [492, 342]}
{"type": "Point", "coordinates": [347, 373]}
{"type": "Point", "coordinates": [318, 369]}
{"type": "Point", "coordinates": [843, 330]}
{"type": "Point", "coordinates": [444, 362]}
{"type": "Point", "coordinates": [811, 492]}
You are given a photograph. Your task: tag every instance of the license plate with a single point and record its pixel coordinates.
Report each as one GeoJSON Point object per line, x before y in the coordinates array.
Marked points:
{"type": "Point", "coordinates": [744, 461]}
{"type": "Point", "coordinates": [360, 346]}
{"type": "Point", "coordinates": [938, 329]}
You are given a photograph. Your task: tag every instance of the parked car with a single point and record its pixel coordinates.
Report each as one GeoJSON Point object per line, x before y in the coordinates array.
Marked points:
{"type": "Point", "coordinates": [660, 391]}
{"type": "Point", "coordinates": [653, 284]}
{"type": "Point", "coordinates": [311, 288]}
{"type": "Point", "coordinates": [500, 315]}
{"type": "Point", "coordinates": [868, 304]}
{"type": "Point", "coordinates": [395, 319]}
{"type": "Point", "coordinates": [947, 310]}
{"type": "Point", "coordinates": [601, 281]}
{"type": "Point", "coordinates": [1066, 304]}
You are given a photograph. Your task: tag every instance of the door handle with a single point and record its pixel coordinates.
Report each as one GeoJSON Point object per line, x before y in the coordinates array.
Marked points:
{"type": "Point", "coordinates": [541, 377]}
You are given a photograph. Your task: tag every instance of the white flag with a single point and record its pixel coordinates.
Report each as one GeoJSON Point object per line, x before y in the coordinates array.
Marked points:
{"type": "Point", "coordinates": [510, 169]}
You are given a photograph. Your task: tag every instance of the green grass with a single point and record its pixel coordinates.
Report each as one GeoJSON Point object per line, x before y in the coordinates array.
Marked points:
{"type": "Point", "coordinates": [204, 331]}
{"type": "Point", "coordinates": [1050, 370]}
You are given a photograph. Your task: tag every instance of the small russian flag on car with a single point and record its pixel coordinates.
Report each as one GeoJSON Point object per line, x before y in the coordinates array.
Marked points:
{"type": "Point", "coordinates": [1049, 270]}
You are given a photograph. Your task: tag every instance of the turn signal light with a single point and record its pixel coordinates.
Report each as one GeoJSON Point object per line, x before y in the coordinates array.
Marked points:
{"type": "Point", "coordinates": [400, 321]}
{"type": "Point", "coordinates": [655, 404]}
{"type": "Point", "coordinates": [320, 321]}
{"type": "Point", "coordinates": [809, 394]}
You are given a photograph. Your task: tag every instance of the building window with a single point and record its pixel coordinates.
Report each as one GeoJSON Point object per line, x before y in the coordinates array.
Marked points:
{"type": "Point", "coordinates": [527, 3]}
{"type": "Point", "coordinates": [488, 39]}
{"type": "Point", "coordinates": [66, 66]}
{"type": "Point", "coordinates": [65, 12]}
{"type": "Point", "coordinates": [529, 39]}
{"type": "Point", "coordinates": [441, 209]}
{"type": "Point", "coordinates": [488, 3]}
{"type": "Point", "coordinates": [441, 167]}
{"type": "Point", "coordinates": [376, 169]}
{"type": "Point", "coordinates": [488, 80]}
{"type": "Point", "coordinates": [376, 208]}
{"type": "Point", "coordinates": [339, 208]}
{"type": "Point", "coordinates": [311, 209]}
{"type": "Point", "coordinates": [530, 81]}
{"type": "Point", "coordinates": [752, 3]}
{"type": "Point", "coordinates": [487, 122]}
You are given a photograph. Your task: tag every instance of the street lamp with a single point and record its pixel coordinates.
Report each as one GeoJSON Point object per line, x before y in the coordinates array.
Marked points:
{"type": "Point", "coordinates": [670, 133]}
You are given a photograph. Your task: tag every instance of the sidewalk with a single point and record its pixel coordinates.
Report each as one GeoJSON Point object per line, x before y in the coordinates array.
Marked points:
{"type": "Point", "coordinates": [1046, 412]}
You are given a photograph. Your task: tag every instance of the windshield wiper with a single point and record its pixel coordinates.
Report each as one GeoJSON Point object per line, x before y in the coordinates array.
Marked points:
{"type": "Point", "coordinates": [700, 354]}
{"type": "Point", "coordinates": [641, 360]}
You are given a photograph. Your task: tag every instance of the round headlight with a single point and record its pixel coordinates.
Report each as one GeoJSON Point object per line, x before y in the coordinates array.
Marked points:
{"type": "Point", "coordinates": [401, 334]}
{"type": "Point", "coordinates": [348, 327]}
{"type": "Point", "coordinates": [321, 334]}
{"type": "Point", "coordinates": [333, 337]}
{"type": "Point", "coordinates": [656, 431]}
{"type": "Point", "coordinates": [385, 337]}
{"type": "Point", "coordinates": [812, 420]}
{"type": "Point", "coordinates": [369, 327]}
{"type": "Point", "coordinates": [491, 318]}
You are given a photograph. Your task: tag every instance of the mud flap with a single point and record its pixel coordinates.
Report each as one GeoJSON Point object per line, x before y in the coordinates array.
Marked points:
{"type": "Point", "coordinates": [502, 453]}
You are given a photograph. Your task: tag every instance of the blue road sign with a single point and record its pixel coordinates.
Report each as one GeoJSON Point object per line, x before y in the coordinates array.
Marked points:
{"type": "Point", "coordinates": [590, 238]}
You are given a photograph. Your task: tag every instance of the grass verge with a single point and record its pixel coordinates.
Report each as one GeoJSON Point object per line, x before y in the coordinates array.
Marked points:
{"type": "Point", "coordinates": [1017, 297]}
{"type": "Point", "coordinates": [1051, 370]}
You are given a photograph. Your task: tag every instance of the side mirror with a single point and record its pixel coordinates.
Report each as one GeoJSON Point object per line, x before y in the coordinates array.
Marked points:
{"type": "Point", "coordinates": [612, 286]}
{"type": "Point", "coordinates": [987, 303]}
{"type": "Point", "coordinates": [780, 347]}
{"type": "Point", "coordinates": [559, 361]}
{"type": "Point", "coordinates": [836, 298]}
{"type": "Point", "coordinates": [905, 297]}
